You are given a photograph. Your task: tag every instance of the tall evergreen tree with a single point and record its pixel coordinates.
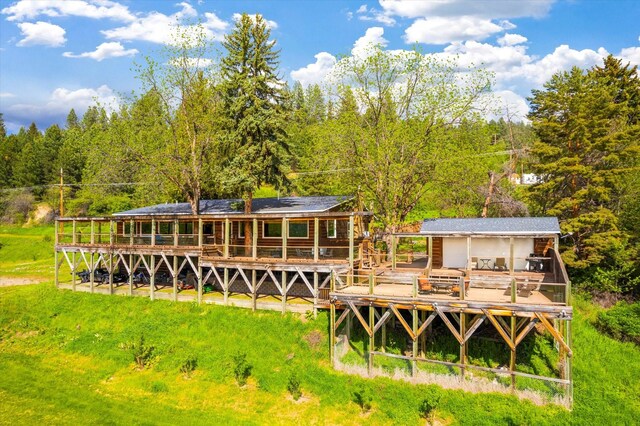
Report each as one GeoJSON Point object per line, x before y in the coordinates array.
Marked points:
{"type": "Point", "coordinates": [588, 144]}
{"type": "Point", "coordinates": [254, 103]}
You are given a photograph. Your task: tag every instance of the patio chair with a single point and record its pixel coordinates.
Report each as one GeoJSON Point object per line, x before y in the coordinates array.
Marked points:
{"type": "Point", "coordinates": [500, 264]}
{"type": "Point", "coordinates": [423, 284]}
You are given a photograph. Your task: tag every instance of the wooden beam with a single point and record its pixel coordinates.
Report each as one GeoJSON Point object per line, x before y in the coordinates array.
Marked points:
{"type": "Point", "coordinates": [526, 330]}
{"type": "Point", "coordinates": [351, 242]}
{"type": "Point", "coordinates": [344, 314]}
{"type": "Point", "coordinates": [398, 315]}
{"type": "Point", "coordinates": [316, 239]}
{"type": "Point", "coordinates": [372, 335]}
{"type": "Point", "coordinates": [355, 310]}
{"type": "Point", "coordinates": [554, 333]}
{"type": "Point", "coordinates": [499, 328]}
{"type": "Point", "coordinates": [475, 324]}
{"type": "Point", "coordinates": [452, 329]}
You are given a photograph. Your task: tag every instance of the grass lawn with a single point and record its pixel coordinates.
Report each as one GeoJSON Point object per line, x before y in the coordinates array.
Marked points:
{"type": "Point", "coordinates": [68, 358]}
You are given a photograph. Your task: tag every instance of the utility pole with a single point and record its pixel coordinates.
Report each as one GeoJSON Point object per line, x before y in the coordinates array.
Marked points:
{"type": "Point", "coordinates": [61, 201]}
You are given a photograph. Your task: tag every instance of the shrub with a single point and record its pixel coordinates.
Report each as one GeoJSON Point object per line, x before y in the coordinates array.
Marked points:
{"type": "Point", "coordinates": [621, 322]}
{"type": "Point", "coordinates": [16, 207]}
{"type": "Point", "coordinates": [159, 387]}
{"type": "Point", "coordinates": [189, 364]}
{"type": "Point", "coordinates": [142, 353]}
{"type": "Point", "coordinates": [429, 404]}
{"type": "Point", "coordinates": [293, 386]}
{"type": "Point", "coordinates": [363, 398]}
{"type": "Point", "coordinates": [241, 368]}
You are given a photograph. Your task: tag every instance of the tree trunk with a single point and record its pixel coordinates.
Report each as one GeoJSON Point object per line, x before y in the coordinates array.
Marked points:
{"type": "Point", "coordinates": [487, 201]}
{"type": "Point", "coordinates": [248, 234]}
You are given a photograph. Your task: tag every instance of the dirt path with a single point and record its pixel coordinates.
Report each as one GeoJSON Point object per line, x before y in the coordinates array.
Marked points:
{"type": "Point", "coordinates": [10, 281]}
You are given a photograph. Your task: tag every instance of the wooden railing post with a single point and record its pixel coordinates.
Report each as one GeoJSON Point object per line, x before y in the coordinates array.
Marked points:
{"type": "Point", "coordinates": [73, 232]}
{"type": "Point", "coordinates": [227, 236]}
{"type": "Point", "coordinates": [175, 232]}
{"type": "Point", "coordinates": [316, 238]}
{"type": "Point", "coordinates": [153, 232]}
{"type": "Point", "coordinates": [351, 242]}
{"type": "Point", "coordinates": [255, 239]}
{"type": "Point", "coordinates": [131, 232]}
{"type": "Point", "coordinates": [93, 232]}
{"type": "Point", "coordinates": [285, 232]}
{"type": "Point", "coordinates": [200, 236]}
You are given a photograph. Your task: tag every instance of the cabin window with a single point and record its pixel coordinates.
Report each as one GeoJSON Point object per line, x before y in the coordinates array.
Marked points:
{"type": "Point", "coordinates": [332, 228]}
{"type": "Point", "coordinates": [185, 228]}
{"type": "Point", "coordinates": [208, 228]}
{"type": "Point", "coordinates": [240, 229]}
{"type": "Point", "coordinates": [298, 229]}
{"type": "Point", "coordinates": [165, 228]}
{"type": "Point", "coordinates": [127, 228]}
{"type": "Point", "coordinates": [145, 228]}
{"type": "Point", "coordinates": [272, 229]}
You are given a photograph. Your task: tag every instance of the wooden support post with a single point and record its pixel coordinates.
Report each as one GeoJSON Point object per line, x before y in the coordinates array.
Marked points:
{"type": "Point", "coordinates": [414, 343]}
{"type": "Point", "coordinates": [372, 277]}
{"type": "Point", "coordinates": [92, 270]}
{"type": "Point", "coordinates": [152, 280]}
{"type": "Point", "coordinates": [74, 239]}
{"type": "Point", "coordinates": [393, 252]}
{"type": "Point", "coordinates": [255, 239]}
{"type": "Point", "coordinates": [227, 236]}
{"type": "Point", "coordinates": [226, 284]}
{"type": "Point", "coordinates": [414, 284]}
{"type": "Point", "coordinates": [284, 291]}
{"type": "Point", "coordinates": [56, 233]}
{"type": "Point", "coordinates": [55, 262]}
{"type": "Point", "coordinates": [512, 363]}
{"type": "Point", "coordinates": [131, 233]}
{"type": "Point", "coordinates": [430, 249]}
{"type": "Point", "coordinates": [463, 345]}
{"type": "Point", "coordinates": [332, 334]}
{"type": "Point", "coordinates": [383, 337]}
{"type": "Point", "coordinates": [111, 236]}
{"type": "Point", "coordinates": [110, 267]}
{"type": "Point", "coordinates": [349, 325]}
{"type": "Point", "coordinates": [131, 271]}
{"type": "Point", "coordinates": [200, 282]}
{"type": "Point", "coordinates": [351, 242]}
{"type": "Point", "coordinates": [93, 232]}
{"type": "Point", "coordinates": [285, 232]}
{"type": "Point", "coordinates": [175, 233]}
{"type": "Point", "coordinates": [423, 335]}
{"type": "Point", "coordinates": [254, 295]}
{"type": "Point", "coordinates": [514, 289]}
{"type": "Point", "coordinates": [153, 232]}
{"type": "Point", "coordinates": [468, 274]}
{"type": "Point", "coordinates": [175, 278]}
{"type": "Point", "coordinates": [73, 271]}
{"type": "Point", "coordinates": [511, 254]}
{"type": "Point", "coordinates": [200, 235]}
{"type": "Point", "coordinates": [372, 336]}
{"type": "Point", "coordinates": [315, 294]}
{"type": "Point", "coordinates": [316, 239]}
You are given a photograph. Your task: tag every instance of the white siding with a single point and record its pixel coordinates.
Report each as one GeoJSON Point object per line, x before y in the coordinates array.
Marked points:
{"type": "Point", "coordinates": [454, 251]}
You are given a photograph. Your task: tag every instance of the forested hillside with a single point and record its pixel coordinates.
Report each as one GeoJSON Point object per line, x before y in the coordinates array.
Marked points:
{"type": "Point", "coordinates": [405, 130]}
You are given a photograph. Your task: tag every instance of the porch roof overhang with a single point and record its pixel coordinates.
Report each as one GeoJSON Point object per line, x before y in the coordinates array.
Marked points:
{"type": "Point", "coordinates": [523, 227]}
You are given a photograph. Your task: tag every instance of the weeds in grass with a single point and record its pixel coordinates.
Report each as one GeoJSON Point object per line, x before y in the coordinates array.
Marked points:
{"type": "Point", "coordinates": [241, 368]}
{"type": "Point", "coordinates": [362, 396]}
{"type": "Point", "coordinates": [189, 364]}
{"type": "Point", "coordinates": [141, 351]}
{"type": "Point", "coordinates": [159, 387]}
{"type": "Point", "coordinates": [293, 386]}
{"type": "Point", "coordinates": [430, 403]}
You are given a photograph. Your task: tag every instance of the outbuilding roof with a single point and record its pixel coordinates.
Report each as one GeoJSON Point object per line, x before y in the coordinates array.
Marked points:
{"type": "Point", "coordinates": [284, 205]}
{"type": "Point", "coordinates": [492, 226]}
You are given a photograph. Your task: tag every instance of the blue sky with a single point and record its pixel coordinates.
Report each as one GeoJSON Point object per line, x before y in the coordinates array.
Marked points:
{"type": "Point", "coordinates": [58, 55]}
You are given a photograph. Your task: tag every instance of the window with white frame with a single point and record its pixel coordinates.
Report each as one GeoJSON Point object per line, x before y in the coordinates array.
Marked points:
{"type": "Point", "coordinates": [299, 229]}
{"type": "Point", "coordinates": [271, 229]}
{"type": "Point", "coordinates": [332, 228]}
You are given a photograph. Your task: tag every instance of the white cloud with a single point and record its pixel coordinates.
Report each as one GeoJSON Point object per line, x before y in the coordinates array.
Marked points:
{"type": "Point", "coordinates": [41, 33]}
{"type": "Point", "coordinates": [6, 95]}
{"type": "Point", "coordinates": [509, 104]}
{"type": "Point", "coordinates": [272, 25]}
{"type": "Point", "coordinates": [563, 58]}
{"type": "Point", "coordinates": [441, 30]}
{"type": "Point", "coordinates": [488, 9]}
{"type": "Point", "coordinates": [316, 72]}
{"type": "Point", "coordinates": [96, 9]}
{"type": "Point", "coordinates": [372, 37]}
{"type": "Point", "coordinates": [61, 100]}
{"type": "Point", "coordinates": [106, 50]}
{"type": "Point", "coordinates": [630, 54]}
{"type": "Point", "coordinates": [511, 39]}
{"type": "Point", "coordinates": [373, 14]}
{"type": "Point", "coordinates": [156, 27]}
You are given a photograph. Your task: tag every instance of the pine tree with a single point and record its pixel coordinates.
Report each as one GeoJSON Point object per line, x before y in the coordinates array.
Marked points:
{"type": "Point", "coordinates": [72, 119]}
{"type": "Point", "coordinates": [254, 104]}
{"type": "Point", "coordinates": [588, 143]}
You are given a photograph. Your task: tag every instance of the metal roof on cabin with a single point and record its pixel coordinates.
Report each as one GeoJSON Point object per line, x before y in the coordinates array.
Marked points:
{"type": "Point", "coordinates": [498, 225]}
{"type": "Point", "coordinates": [234, 206]}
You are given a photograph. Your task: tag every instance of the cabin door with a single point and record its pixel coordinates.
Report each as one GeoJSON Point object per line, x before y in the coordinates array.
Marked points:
{"type": "Point", "coordinates": [437, 253]}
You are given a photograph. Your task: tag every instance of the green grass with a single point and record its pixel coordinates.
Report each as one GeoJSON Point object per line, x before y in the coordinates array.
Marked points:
{"type": "Point", "coordinates": [65, 358]}
{"type": "Point", "coordinates": [27, 252]}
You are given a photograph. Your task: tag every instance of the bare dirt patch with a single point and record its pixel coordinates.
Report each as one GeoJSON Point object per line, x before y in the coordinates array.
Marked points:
{"type": "Point", "coordinates": [11, 281]}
